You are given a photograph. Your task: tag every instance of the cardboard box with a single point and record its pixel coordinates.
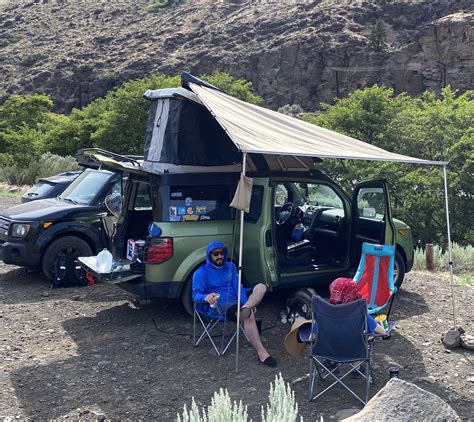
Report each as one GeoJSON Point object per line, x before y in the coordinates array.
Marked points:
{"type": "Point", "coordinates": [134, 248]}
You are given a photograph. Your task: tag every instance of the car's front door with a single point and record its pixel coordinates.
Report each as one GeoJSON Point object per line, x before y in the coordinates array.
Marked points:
{"type": "Point", "coordinates": [371, 217]}
{"type": "Point", "coordinates": [259, 258]}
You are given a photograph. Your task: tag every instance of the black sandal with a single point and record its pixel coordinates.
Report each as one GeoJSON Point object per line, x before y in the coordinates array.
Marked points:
{"type": "Point", "coordinates": [270, 362]}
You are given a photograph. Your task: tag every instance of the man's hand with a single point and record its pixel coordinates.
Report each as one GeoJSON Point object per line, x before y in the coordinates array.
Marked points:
{"type": "Point", "coordinates": [211, 298]}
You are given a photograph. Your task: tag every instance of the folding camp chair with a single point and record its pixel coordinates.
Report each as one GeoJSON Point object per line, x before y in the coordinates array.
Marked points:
{"type": "Point", "coordinates": [375, 276]}
{"type": "Point", "coordinates": [209, 323]}
{"type": "Point", "coordinates": [341, 345]}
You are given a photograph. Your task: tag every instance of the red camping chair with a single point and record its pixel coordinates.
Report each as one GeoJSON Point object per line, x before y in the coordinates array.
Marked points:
{"type": "Point", "coordinates": [375, 276]}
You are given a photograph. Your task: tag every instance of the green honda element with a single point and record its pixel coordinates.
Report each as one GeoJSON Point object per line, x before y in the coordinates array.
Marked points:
{"type": "Point", "coordinates": [302, 229]}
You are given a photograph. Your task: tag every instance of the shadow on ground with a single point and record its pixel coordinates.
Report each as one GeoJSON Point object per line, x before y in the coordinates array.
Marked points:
{"type": "Point", "coordinates": [140, 364]}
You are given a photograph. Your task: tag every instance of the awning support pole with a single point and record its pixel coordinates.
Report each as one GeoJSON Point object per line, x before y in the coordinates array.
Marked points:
{"type": "Point", "coordinates": [449, 243]}
{"type": "Point", "coordinates": [244, 164]}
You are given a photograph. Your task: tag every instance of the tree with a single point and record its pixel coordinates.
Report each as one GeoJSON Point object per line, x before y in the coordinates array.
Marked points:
{"type": "Point", "coordinates": [438, 129]}
{"type": "Point", "coordinates": [378, 36]}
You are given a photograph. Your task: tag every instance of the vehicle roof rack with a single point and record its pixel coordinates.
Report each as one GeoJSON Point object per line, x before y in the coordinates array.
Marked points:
{"type": "Point", "coordinates": [84, 157]}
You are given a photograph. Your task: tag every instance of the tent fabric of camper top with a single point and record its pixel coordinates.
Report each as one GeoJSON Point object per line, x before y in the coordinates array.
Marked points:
{"type": "Point", "coordinates": [255, 129]}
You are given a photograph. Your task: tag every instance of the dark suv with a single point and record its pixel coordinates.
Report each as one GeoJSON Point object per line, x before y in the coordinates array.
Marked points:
{"type": "Point", "coordinates": [50, 187]}
{"type": "Point", "coordinates": [34, 234]}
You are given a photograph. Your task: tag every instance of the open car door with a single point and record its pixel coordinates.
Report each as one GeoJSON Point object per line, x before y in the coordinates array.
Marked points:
{"type": "Point", "coordinates": [371, 217]}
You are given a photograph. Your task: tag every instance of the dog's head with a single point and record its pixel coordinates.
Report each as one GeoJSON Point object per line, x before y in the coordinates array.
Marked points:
{"type": "Point", "coordinates": [297, 311]}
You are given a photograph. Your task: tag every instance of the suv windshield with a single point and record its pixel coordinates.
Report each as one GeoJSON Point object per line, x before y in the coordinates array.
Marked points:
{"type": "Point", "coordinates": [86, 187]}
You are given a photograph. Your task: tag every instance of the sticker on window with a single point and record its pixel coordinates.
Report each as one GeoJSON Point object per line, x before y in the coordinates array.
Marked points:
{"type": "Point", "coordinates": [189, 211]}
{"type": "Point", "coordinates": [188, 201]}
{"type": "Point", "coordinates": [181, 210]}
{"type": "Point", "coordinates": [192, 217]}
{"type": "Point", "coordinates": [173, 211]}
{"type": "Point", "coordinates": [200, 210]}
{"type": "Point", "coordinates": [175, 218]}
{"type": "Point", "coordinates": [176, 194]}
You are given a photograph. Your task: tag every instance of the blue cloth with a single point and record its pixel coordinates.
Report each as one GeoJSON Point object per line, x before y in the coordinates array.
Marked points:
{"type": "Point", "coordinates": [304, 332]}
{"type": "Point", "coordinates": [223, 280]}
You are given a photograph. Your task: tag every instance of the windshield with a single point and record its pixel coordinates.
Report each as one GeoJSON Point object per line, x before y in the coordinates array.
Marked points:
{"type": "Point", "coordinates": [41, 188]}
{"type": "Point", "coordinates": [318, 194]}
{"type": "Point", "coordinates": [86, 187]}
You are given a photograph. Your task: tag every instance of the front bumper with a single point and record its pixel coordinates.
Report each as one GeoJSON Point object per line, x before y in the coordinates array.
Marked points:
{"type": "Point", "coordinates": [15, 253]}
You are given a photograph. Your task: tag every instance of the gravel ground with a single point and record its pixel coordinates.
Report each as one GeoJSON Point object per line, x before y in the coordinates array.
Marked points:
{"type": "Point", "coordinates": [89, 354]}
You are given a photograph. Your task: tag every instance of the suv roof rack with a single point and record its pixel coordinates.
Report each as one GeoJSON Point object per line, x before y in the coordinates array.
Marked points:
{"type": "Point", "coordinates": [85, 158]}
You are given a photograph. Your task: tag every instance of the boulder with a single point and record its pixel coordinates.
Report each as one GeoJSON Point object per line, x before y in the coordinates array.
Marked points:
{"type": "Point", "coordinates": [403, 401]}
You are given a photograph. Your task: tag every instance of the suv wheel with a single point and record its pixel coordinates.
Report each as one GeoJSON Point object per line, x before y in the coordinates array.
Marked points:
{"type": "Point", "coordinates": [187, 296]}
{"type": "Point", "coordinates": [67, 245]}
{"type": "Point", "coordinates": [399, 273]}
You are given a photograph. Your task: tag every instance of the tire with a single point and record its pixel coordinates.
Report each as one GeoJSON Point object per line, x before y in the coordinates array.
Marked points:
{"type": "Point", "coordinates": [64, 245]}
{"type": "Point", "coordinates": [400, 269]}
{"type": "Point", "coordinates": [187, 296]}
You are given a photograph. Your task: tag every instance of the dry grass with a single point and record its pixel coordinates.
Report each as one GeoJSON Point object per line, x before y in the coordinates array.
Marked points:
{"type": "Point", "coordinates": [5, 187]}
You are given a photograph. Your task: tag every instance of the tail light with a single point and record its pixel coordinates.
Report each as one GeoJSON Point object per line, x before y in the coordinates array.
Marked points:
{"type": "Point", "coordinates": [159, 250]}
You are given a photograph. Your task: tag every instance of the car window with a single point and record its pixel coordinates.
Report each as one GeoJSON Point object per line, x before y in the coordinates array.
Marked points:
{"type": "Point", "coordinates": [86, 187]}
{"type": "Point", "coordinates": [371, 203]}
{"type": "Point", "coordinates": [143, 197]}
{"type": "Point", "coordinates": [281, 195]}
{"type": "Point", "coordinates": [41, 189]}
{"type": "Point", "coordinates": [321, 195]}
{"type": "Point", "coordinates": [198, 203]}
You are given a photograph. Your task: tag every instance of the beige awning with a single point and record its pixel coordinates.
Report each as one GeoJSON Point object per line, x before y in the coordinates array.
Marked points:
{"type": "Point", "coordinates": [255, 129]}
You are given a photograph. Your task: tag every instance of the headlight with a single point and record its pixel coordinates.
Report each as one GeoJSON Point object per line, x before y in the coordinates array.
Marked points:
{"type": "Point", "coordinates": [20, 230]}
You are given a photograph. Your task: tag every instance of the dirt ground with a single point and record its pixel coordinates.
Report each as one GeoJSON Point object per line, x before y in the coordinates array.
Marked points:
{"type": "Point", "coordinates": [89, 354]}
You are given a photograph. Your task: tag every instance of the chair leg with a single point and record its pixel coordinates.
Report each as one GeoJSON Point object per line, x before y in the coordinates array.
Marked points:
{"type": "Point", "coordinates": [368, 370]}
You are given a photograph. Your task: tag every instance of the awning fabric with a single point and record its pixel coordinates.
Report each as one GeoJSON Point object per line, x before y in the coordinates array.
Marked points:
{"type": "Point", "coordinates": [257, 130]}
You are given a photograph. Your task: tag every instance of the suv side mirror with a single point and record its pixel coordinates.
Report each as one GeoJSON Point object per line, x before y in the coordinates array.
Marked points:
{"type": "Point", "coordinates": [113, 202]}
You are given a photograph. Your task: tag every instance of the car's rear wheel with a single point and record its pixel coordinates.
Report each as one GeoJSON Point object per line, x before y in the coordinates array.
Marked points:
{"type": "Point", "coordinates": [70, 246]}
{"type": "Point", "coordinates": [400, 268]}
{"type": "Point", "coordinates": [187, 296]}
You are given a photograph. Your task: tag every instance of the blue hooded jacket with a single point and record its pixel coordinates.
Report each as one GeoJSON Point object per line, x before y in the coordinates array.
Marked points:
{"type": "Point", "coordinates": [223, 280]}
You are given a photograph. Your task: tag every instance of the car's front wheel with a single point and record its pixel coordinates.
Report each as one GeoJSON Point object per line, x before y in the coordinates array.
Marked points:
{"type": "Point", "coordinates": [400, 268]}
{"type": "Point", "coordinates": [69, 246]}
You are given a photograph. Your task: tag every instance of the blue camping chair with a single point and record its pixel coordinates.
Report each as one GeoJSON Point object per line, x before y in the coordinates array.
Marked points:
{"type": "Point", "coordinates": [375, 276]}
{"type": "Point", "coordinates": [209, 321]}
{"type": "Point", "coordinates": [342, 342]}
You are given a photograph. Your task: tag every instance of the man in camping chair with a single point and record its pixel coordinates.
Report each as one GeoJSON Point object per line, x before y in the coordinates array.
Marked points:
{"type": "Point", "coordinates": [216, 283]}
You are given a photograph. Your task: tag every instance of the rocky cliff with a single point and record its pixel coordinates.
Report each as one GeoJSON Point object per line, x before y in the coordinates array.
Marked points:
{"type": "Point", "coordinates": [295, 52]}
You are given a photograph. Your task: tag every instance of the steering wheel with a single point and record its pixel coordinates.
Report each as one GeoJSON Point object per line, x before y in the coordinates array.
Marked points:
{"type": "Point", "coordinates": [285, 213]}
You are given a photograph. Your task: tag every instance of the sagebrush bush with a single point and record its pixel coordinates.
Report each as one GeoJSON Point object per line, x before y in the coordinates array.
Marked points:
{"type": "Point", "coordinates": [48, 165]}
{"type": "Point", "coordinates": [282, 407]}
{"type": "Point", "coordinates": [463, 258]}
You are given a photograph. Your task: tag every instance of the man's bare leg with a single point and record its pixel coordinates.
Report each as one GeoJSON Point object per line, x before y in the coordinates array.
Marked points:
{"type": "Point", "coordinates": [251, 331]}
{"type": "Point", "coordinates": [250, 325]}
{"type": "Point", "coordinates": [256, 297]}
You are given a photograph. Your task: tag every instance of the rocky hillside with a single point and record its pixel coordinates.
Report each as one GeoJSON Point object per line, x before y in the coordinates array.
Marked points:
{"type": "Point", "coordinates": [294, 51]}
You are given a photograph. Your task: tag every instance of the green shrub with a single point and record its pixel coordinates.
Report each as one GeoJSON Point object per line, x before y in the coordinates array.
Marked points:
{"type": "Point", "coordinates": [158, 5]}
{"type": "Point", "coordinates": [291, 110]}
{"type": "Point", "coordinates": [282, 407]}
{"type": "Point", "coordinates": [463, 259]}
{"type": "Point", "coordinates": [48, 165]}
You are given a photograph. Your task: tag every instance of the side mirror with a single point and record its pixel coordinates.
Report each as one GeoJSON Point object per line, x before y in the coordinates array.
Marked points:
{"type": "Point", "coordinates": [368, 212]}
{"type": "Point", "coordinates": [113, 202]}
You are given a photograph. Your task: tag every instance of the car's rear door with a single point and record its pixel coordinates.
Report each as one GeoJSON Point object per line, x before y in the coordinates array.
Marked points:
{"type": "Point", "coordinates": [371, 217]}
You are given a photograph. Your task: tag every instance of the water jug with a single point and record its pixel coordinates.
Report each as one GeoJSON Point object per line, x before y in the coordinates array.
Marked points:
{"type": "Point", "coordinates": [104, 261]}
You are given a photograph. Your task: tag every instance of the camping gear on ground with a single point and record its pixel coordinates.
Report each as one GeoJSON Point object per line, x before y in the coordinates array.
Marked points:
{"type": "Point", "coordinates": [394, 372]}
{"type": "Point", "coordinates": [375, 277]}
{"type": "Point", "coordinates": [343, 341]}
{"type": "Point", "coordinates": [67, 272]}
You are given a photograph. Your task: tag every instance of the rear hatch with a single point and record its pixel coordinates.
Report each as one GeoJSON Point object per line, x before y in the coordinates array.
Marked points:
{"type": "Point", "coordinates": [122, 269]}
